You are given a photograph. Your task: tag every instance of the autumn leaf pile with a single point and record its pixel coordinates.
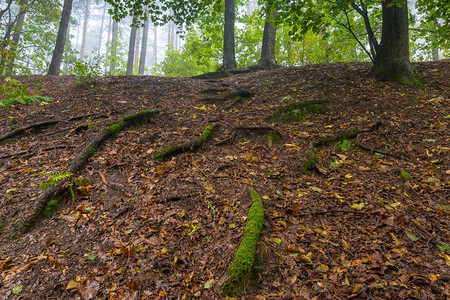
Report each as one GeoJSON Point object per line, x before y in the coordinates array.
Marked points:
{"type": "Point", "coordinates": [369, 219]}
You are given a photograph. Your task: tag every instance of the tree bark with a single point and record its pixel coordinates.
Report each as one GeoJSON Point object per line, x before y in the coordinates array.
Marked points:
{"type": "Point", "coordinates": [112, 67]}
{"type": "Point", "coordinates": [229, 52]}
{"type": "Point", "coordinates": [392, 59]}
{"type": "Point", "coordinates": [16, 36]}
{"type": "Point", "coordinates": [55, 65]}
{"type": "Point", "coordinates": [131, 48]}
{"type": "Point", "coordinates": [155, 44]}
{"type": "Point", "coordinates": [268, 60]}
{"type": "Point", "coordinates": [144, 46]}
{"type": "Point", "coordinates": [85, 23]}
{"type": "Point", "coordinates": [101, 31]}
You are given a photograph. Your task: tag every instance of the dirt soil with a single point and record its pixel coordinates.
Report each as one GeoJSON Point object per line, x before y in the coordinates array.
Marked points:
{"type": "Point", "coordinates": [372, 222]}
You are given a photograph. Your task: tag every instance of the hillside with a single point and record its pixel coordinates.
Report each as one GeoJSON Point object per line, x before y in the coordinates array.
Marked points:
{"type": "Point", "coordinates": [363, 215]}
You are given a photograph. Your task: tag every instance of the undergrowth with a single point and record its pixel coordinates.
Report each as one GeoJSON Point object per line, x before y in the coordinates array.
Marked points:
{"type": "Point", "coordinates": [13, 91]}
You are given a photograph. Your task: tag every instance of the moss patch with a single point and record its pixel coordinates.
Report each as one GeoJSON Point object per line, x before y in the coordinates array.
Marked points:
{"type": "Point", "coordinates": [296, 111]}
{"type": "Point", "coordinates": [273, 136]}
{"type": "Point", "coordinates": [143, 114]}
{"type": "Point", "coordinates": [163, 154]}
{"type": "Point", "coordinates": [50, 207]}
{"type": "Point", "coordinates": [115, 128]}
{"type": "Point", "coordinates": [240, 269]}
{"type": "Point", "coordinates": [206, 133]}
{"type": "Point", "coordinates": [309, 164]}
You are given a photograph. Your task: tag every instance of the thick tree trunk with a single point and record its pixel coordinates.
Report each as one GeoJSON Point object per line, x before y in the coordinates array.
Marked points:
{"type": "Point", "coordinates": [392, 59]}
{"type": "Point", "coordinates": [131, 48]}
{"type": "Point", "coordinates": [229, 52]}
{"type": "Point", "coordinates": [85, 23]}
{"type": "Point", "coordinates": [267, 60]}
{"type": "Point", "coordinates": [144, 46]}
{"type": "Point", "coordinates": [55, 65]}
{"type": "Point", "coordinates": [113, 47]}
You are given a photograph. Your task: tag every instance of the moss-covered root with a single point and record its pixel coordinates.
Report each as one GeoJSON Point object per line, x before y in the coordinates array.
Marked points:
{"type": "Point", "coordinates": [239, 270]}
{"type": "Point", "coordinates": [169, 152]}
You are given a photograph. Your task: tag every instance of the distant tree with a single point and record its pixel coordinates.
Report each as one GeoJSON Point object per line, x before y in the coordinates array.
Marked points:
{"type": "Point", "coordinates": [85, 25]}
{"type": "Point", "coordinates": [131, 48]}
{"type": "Point", "coordinates": [143, 54]}
{"type": "Point", "coordinates": [58, 52]}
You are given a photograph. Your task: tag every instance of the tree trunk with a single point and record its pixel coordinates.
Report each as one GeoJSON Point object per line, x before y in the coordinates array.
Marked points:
{"type": "Point", "coordinates": [55, 65]}
{"type": "Point", "coordinates": [392, 59]}
{"type": "Point", "coordinates": [112, 67]}
{"type": "Point", "coordinates": [85, 23]}
{"type": "Point", "coordinates": [138, 44]}
{"type": "Point", "coordinates": [229, 52]}
{"type": "Point", "coordinates": [267, 60]}
{"type": "Point", "coordinates": [16, 36]}
{"type": "Point", "coordinates": [101, 31]}
{"type": "Point", "coordinates": [131, 47]}
{"type": "Point", "coordinates": [144, 46]}
{"type": "Point", "coordinates": [155, 44]}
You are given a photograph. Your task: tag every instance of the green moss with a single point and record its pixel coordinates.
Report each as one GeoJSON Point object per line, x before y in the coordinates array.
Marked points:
{"type": "Point", "coordinates": [50, 207]}
{"type": "Point", "coordinates": [240, 269]}
{"type": "Point", "coordinates": [163, 154]}
{"type": "Point", "coordinates": [91, 150]}
{"type": "Point", "coordinates": [114, 128]}
{"type": "Point", "coordinates": [309, 164]}
{"type": "Point", "coordinates": [81, 181]}
{"type": "Point", "coordinates": [206, 133]}
{"type": "Point", "coordinates": [296, 111]}
{"type": "Point", "coordinates": [141, 114]}
{"type": "Point", "coordinates": [348, 134]}
{"type": "Point", "coordinates": [345, 145]}
{"type": "Point", "coordinates": [273, 136]}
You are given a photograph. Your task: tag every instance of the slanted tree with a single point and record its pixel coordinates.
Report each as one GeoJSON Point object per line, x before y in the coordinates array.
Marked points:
{"type": "Point", "coordinates": [58, 52]}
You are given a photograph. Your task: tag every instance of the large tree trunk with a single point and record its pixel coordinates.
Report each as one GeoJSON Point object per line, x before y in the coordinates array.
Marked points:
{"type": "Point", "coordinates": [144, 46]}
{"type": "Point", "coordinates": [112, 67]}
{"type": "Point", "coordinates": [392, 59]}
{"type": "Point", "coordinates": [55, 65]}
{"type": "Point", "coordinates": [229, 52]}
{"type": "Point", "coordinates": [131, 47]}
{"type": "Point", "coordinates": [85, 23]}
{"type": "Point", "coordinates": [267, 60]}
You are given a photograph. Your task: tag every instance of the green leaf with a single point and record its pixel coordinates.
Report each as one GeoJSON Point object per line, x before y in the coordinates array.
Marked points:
{"type": "Point", "coordinates": [405, 175]}
{"type": "Point", "coordinates": [411, 236]}
{"type": "Point", "coordinates": [91, 256]}
{"type": "Point", "coordinates": [277, 240]}
{"type": "Point", "coordinates": [209, 284]}
{"type": "Point", "coordinates": [17, 289]}
{"type": "Point", "coordinates": [443, 247]}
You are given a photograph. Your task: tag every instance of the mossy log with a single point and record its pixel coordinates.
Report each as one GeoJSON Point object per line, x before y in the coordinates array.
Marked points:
{"type": "Point", "coordinates": [240, 269]}
{"type": "Point", "coordinates": [82, 157]}
{"type": "Point", "coordinates": [191, 146]}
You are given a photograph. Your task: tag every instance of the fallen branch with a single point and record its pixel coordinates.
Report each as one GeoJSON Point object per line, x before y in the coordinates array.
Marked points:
{"type": "Point", "coordinates": [191, 146]}
{"type": "Point", "coordinates": [88, 151]}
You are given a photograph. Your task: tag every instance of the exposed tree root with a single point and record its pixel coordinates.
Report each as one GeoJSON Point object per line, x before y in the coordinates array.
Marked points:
{"type": "Point", "coordinates": [19, 130]}
{"type": "Point", "coordinates": [28, 153]}
{"type": "Point", "coordinates": [347, 135]}
{"type": "Point", "coordinates": [240, 269]}
{"type": "Point", "coordinates": [88, 151]}
{"type": "Point", "coordinates": [325, 212]}
{"type": "Point", "coordinates": [359, 145]}
{"type": "Point", "coordinates": [273, 135]}
{"type": "Point", "coordinates": [191, 146]}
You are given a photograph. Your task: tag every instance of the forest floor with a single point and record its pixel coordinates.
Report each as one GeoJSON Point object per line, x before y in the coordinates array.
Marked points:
{"type": "Point", "coordinates": [369, 219]}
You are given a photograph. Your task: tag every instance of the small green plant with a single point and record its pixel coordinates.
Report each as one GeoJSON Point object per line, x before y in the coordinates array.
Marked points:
{"type": "Point", "coordinates": [53, 179]}
{"type": "Point", "coordinates": [405, 175]}
{"type": "Point", "coordinates": [296, 111]}
{"type": "Point", "coordinates": [86, 71]}
{"type": "Point", "coordinates": [50, 207]}
{"type": "Point", "coordinates": [345, 145]}
{"type": "Point", "coordinates": [14, 91]}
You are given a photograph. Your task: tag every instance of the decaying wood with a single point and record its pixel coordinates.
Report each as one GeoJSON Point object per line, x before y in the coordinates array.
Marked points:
{"type": "Point", "coordinates": [82, 157]}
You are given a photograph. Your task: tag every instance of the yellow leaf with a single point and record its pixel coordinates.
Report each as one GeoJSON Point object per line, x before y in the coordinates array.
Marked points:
{"type": "Point", "coordinates": [194, 116]}
{"type": "Point", "coordinates": [348, 176]}
{"type": "Point", "coordinates": [71, 285]}
{"type": "Point", "coordinates": [305, 259]}
{"type": "Point", "coordinates": [433, 277]}
{"type": "Point", "coordinates": [345, 245]}
{"type": "Point", "coordinates": [446, 257]}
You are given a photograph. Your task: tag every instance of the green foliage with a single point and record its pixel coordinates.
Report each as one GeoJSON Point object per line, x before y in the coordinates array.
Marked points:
{"type": "Point", "coordinates": [240, 269]}
{"type": "Point", "coordinates": [54, 178]}
{"type": "Point", "coordinates": [345, 145]}
{"type": "Point", "coordinates": [13, 91]}
{"type": "Point", "coordinates": [405, 175]}
{"type": "Point", "coordinates": [206, 133]}
{"type": "Point", "coordinates": [163, 154]}
{"type": "Point", "coordinates": [114, 128]}
{"type": "Point", "coordinates": [50, 207]}
{"type": "Point", "coordinates": [273, 136]}
{"type": "Point", "coordinates": [86, 71]}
